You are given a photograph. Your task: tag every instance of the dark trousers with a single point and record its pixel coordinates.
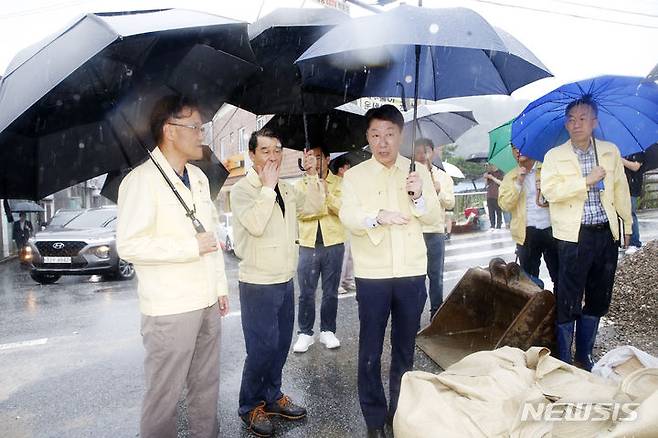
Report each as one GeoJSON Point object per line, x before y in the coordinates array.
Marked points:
{"type": "Point", "coordinates": [495, 213]}
{"type": "Point", "coordinates": [325, 261]}
{"type": "Point", "coordinates": [588, 267]}
{"type": "Point", "coordinates": [268, 318]}
{"type": "Point", "coordinates": [539, 243]}
{"type": "Point", "coordinates": [436, 246]}
{"type": "Point", "coordinates": [403, 299]}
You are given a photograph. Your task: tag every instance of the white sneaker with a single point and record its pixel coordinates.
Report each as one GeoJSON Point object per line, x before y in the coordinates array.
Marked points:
{"type": "Point", "coordinates": [631, 250]}
{"type": "Point", "coordinates": [303, 342]}
{"type": "Point", "coordinates": [329, 340]}
{"type": "Point", "coordinates": [341, 290]}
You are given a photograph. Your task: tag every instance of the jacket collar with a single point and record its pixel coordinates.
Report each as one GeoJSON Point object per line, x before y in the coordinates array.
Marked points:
{"type": "Point", "coordinates": [171, 173]}
{"type": "Point", "coordinates": [331, 178]}
{"type": "Point", "coordinates": [401, 163]}
{"type": "Point", "coordinates": [253, 178]}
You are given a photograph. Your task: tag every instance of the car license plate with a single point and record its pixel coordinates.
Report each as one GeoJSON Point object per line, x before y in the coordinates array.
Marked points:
{"type": "Point", "coordinates": [57, 259]}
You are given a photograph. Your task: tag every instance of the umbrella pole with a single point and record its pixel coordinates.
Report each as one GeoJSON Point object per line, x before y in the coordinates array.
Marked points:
{"type": "Point", "coordinates": [412, 166]}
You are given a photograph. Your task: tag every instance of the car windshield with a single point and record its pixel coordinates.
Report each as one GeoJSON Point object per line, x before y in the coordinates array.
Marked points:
{"type": "Point", "coordinates": [62, 218]}
{"type": "Point", "coordinates": [93, 219]}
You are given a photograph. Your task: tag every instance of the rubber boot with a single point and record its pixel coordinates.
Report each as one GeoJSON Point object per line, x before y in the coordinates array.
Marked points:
{"type": "Point", "coordinates": [564, 335]}
{"type": "Point", "coordinates": [586, 328]}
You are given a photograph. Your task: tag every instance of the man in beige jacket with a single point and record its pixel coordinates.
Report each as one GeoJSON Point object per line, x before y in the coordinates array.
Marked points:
{"type": "Point", "coordinates": [181, 280]}
{"type": "Point", "coordinates": [434, 234]}
{"type": "Point", "coordinates": [385, 207]}
{"type": "Point", "coordinates": [585, 185]}
{"type": "Point", "coordinates": [265, 211]}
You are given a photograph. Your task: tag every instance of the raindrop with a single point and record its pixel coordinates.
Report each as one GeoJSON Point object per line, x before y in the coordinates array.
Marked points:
{"type": "Point", "coordinates": [129, 72]}
{"type": "Point", "coordinates": [434, 28]}
{"type": "Point", "coordinates": [76, 97]}
{"type": "Point", "coordinates": [408, 79]}
{"type": "Point", "coordinates": [81, 145]}
{"type": "Point", "coordinates": [469, 33]}
{"type": "Point", "coordinates": [59, 102]}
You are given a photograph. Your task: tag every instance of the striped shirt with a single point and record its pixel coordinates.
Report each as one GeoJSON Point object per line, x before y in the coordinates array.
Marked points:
{"type": "Point", "coordinates": [593, 212]}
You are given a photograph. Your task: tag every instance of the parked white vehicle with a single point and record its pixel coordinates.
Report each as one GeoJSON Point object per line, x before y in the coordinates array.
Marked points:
{"type": "Point", "coordinates": [225, 231]}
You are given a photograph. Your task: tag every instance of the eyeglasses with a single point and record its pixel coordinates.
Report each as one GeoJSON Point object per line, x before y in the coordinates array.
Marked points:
{"type": "Point", "coordinates": [201, 129]}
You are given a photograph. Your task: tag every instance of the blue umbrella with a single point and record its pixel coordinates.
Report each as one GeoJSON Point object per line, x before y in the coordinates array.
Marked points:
{"type": "Point", "coordinates": [441, 53]}
{"type": "Point", "coordinates": [627, 115]}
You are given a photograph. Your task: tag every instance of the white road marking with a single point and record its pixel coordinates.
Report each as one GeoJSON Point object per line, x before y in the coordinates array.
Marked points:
{"type": "Point", "coordinates": [481, 254]}
{"type": "Point", "coordinates": [30, 343]}
{"type": "Point", "coordinates": [477, 243]}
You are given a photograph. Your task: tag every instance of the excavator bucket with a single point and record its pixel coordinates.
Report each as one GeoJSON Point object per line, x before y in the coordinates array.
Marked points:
{"type": "Point", "coordinates": [488, 309]}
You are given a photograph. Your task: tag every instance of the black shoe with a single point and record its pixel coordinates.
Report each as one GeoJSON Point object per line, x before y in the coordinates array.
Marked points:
{"type": "Point", "coordinates": [284, 407]}
{"type": "Point", "coordinates": [376, 433]}
{"type": "Point", "coordinates": [257, 421]}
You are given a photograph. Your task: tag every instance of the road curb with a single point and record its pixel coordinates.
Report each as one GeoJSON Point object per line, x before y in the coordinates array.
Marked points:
{"type": "Point", "coordinates": [8, 259]}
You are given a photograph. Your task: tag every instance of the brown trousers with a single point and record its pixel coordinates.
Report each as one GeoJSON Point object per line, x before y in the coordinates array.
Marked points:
{"type": "Point", "coordinates": [181, 349]}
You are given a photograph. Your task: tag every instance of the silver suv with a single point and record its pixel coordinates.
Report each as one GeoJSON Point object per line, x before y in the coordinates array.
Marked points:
{"type": "Point", "coordinates": [86, 245]}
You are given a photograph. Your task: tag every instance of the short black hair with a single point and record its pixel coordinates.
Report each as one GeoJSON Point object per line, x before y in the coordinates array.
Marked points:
{"type": "Point", "coordinates": [325, 151]}
{"type": "Point", "coordinates": [168, 107]}
{"type": "Point", "coordinates": [585, 100]}
{"type": "Point", "coordinates": [263, 132]}
{"type": "Point", "coordinates": [425, 142]}
{"type": "Point", "coordinates": [386, 112]}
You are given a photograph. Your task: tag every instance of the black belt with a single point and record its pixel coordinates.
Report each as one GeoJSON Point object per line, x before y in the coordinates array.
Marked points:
{"type": "Point", "coordinates": [596, 227]}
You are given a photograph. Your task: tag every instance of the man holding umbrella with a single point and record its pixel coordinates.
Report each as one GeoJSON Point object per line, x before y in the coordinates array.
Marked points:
{"type": "Point", "coordinates": [584, 183]}
{"type": "Point", "coordinates": [434, 234]}
{"type": "Point", "coordinates": [265, 210]}
{"type": "Point", "coordinates": [384, 208]}
{"type": "Point", "coordinates": [321, 240]}
{"type": "Point", "coordinates": [182, 284]}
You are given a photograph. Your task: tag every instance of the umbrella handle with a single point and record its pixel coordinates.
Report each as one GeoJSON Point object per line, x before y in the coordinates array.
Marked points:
{"type": "Point", "coordinates": [599, 185]}
{"type": "Point", "coordinates": [412, 166]}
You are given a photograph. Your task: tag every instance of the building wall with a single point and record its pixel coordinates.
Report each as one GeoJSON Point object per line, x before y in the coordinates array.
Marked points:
{"type": "Point", "coordinates": [231, 129]}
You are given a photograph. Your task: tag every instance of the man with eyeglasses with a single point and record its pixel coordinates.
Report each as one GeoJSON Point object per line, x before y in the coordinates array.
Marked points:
{"type": "Point", "coordinates": [585, 185]}
{"type": "Point", "coordinates": [182, 284]}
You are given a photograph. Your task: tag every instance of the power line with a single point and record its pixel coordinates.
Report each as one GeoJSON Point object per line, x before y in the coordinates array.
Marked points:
{"type": "Point", "coordinates": [605, 8]}
{"type": "Point", "coordinates": [566, 14]}
{"type": "Point", "coordinates": [40, 10]}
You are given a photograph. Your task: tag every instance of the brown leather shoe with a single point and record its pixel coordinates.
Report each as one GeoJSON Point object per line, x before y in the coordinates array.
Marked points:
{"type": "Point", "coordinates": [258, 422]}
{"type": "Point", "coordinates": [284, 407]}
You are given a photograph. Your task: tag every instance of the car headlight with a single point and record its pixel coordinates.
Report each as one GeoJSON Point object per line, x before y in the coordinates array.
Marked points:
{"type": "Point", "coordinates": [102, 252]}
{"type": "Point", "coordinates": [26, 254]}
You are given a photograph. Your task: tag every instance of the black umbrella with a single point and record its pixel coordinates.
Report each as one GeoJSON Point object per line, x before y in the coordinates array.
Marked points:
{"type": "Point", "coordinates": [338, 130]}
{"type": "Point", "coordinates": [352, 158]}
{"type": "Point", "coordinates": [211, 166]}
{"type": "Point", "coordinates": [441, 53]}
{"type": "Point", "coordinates": [76, 105]}
{"type": "Point", "coordinates": [277, 40]}
{"type": "Point", "coordinates": [478, 157]}
{"type": "Point", "coordinates": [650, 158]}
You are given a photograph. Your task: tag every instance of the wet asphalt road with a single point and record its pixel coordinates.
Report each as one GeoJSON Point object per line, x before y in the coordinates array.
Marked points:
{"type": "Point", "coordinates": [71, 354]}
